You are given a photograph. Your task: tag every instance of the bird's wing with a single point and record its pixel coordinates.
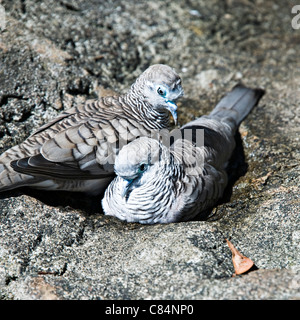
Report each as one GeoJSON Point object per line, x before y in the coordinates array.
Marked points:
{"type": "Point", "coordinates": [201, 184]}
{"type": "Point", "coordinates": [85, 151]}
{"type": "Point", "coordinates": [75, 153]}
{"type": "Point", "coordinates": [103, 108]}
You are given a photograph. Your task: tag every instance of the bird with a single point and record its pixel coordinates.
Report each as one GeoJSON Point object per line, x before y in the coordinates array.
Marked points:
{"type": "Point", "coordinates": [176, 179]}
{"type": "Point", "coordinates": [76, 150]}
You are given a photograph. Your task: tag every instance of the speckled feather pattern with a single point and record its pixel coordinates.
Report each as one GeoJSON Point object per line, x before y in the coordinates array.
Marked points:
{"type": "Point", "coordinates": [184, 180]}
{"type": "Point", "coordinates": [76, 151]}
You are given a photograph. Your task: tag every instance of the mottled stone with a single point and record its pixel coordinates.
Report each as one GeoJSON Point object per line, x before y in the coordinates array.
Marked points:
{"type": "Point", "coordinates": [56, 54]}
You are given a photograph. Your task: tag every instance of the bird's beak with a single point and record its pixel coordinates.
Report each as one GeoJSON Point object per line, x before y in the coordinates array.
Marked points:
{"type": "Point", "coordinates": [172, 107]}
{"type": "Point", "coordinates": [126, 188]}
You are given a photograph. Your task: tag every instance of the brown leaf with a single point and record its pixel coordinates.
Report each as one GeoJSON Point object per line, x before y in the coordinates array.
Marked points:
{"type": "Point", "coordinates": [42, 290]}
{"type": "Point", "coordinates": [241, 263]}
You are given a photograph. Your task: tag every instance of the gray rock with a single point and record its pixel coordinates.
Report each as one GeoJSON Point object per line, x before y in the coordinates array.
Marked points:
{"type": "Point", "coordinates": [58, 245]}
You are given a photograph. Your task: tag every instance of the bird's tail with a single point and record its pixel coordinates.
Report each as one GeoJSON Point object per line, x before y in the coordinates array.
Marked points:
{"type": "Point", "coordinates": [237, 104]}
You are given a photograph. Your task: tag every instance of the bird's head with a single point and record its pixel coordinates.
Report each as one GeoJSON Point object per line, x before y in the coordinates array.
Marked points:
{"type": "Point", "coordinates": [160, 86]}
{"type": "Point", "coordinates": [135, 161]}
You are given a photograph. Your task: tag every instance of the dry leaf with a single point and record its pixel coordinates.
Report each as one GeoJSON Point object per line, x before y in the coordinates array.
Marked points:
{"type": "Point", "coordinates": [241, 263]}
{"type": "Point", "coordinates": [43, 290]}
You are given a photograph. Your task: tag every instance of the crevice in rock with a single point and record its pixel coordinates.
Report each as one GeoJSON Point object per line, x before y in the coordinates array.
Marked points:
{"type": "Point", "coordinates": [55, 273]}
{"type": "Point", "coordinates": [69, 6]}
{"type": "Point", "coordinates": [79, 86]}
{"type": "Point", "coordinates": [63, 271]}
{"type": "Point", "coordinates": [79, 237]}
{"type": "Point", "coordinates": [5, 97]}
{"type": "Point", "coordinates": [36, 242]}
{"type": "Point", "coordinates": [23, 7]}
{"type": "Point", "coordinates": [26, 260]}
{"type": "Point", "coordinates": [27, 114]}
{"type": "Point", "coordinates": [9, 279]}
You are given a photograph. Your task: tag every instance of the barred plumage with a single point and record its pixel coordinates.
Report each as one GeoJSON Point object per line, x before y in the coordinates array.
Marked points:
{"type": "Point", "coordinates": [76, 151]}
{"type": "Point", "coordinates": [160, 184]}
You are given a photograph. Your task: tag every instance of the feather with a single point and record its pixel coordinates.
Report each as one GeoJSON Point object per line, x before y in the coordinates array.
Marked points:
{"type": "Point", "coordinates": [82, 142]}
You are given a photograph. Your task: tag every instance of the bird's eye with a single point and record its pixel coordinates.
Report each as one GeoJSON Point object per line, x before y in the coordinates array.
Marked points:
{"type": "Point", "coordinates": [142, 167]}
{"type": "Point", "coordinates": [161, 91]}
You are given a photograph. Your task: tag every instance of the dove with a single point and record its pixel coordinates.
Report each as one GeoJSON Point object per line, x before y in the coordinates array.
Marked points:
{"type": "Point", "coordinates": [175, 181]}
{"type": "Point", "coordinates": [76, 150]}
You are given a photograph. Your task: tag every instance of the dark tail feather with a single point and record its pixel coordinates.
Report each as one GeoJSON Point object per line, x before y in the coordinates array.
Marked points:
{"type": "Point", "coordinates": [237, 104]}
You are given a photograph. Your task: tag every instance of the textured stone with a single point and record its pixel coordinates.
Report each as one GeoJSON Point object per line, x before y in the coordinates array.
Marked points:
{"type": "Point", "coordinates": [54, 55]}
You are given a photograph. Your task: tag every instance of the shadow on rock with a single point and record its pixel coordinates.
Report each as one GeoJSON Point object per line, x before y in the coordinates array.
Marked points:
{"type": "Point", "coordinates": [76, 200]}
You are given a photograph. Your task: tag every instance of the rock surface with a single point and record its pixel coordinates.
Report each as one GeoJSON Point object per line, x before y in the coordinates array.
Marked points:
{"type": "Point", "coordinates": [54, 54]}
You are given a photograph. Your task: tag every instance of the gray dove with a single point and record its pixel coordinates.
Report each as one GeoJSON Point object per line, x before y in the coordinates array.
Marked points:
{"type": "Point", "coordinates": [76, 151]}
{"type": "Point", "coordinates": [161, 183]}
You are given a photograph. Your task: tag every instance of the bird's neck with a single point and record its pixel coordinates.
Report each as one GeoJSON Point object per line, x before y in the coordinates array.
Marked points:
{"type": "Point", "coordinates": [158, 192]}
{"type": "Point", "coordinates": [144, 113]}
